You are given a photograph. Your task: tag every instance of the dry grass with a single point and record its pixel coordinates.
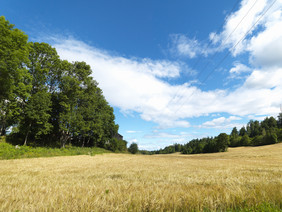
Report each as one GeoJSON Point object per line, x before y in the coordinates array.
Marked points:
{"type": "Point", "coordinates": [244, 177]}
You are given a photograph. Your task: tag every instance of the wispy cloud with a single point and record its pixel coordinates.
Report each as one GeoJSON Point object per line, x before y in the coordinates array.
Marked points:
{"type": "Point", "coordinates": [222, 123]}
{"type": "Point", "coordinates": [142, 85]}
{"type": "Point", "coordinates": [133, 131]}
{"type": "Point", "coordinates": [133, 85]}
{"type": "Point", "coordinates": [251, 21]}
{"type": "Point", "coordinates": [181, 45]}
{"type": "Point", "coordinates": [167, 138]}
{"type": "Point", "coordinates": [238, 69]}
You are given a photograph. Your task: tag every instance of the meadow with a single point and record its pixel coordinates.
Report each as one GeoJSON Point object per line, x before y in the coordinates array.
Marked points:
{"type": "Point", "coordinates": [242, 179]}
{"type": "Point", "coordinates": [8, 151]}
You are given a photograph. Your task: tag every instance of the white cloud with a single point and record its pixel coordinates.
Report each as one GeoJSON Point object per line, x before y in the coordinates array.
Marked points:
{"type": "Point", "coordinates": [129, 84]}
{"type": "Point", "coordinates": [164, 135]}
{"type": "Point", "coordinates": [134, 140]}
{"type": "Point", "coordinates": [238, 24]}
{"type": "Point", "coordinates": [166, 138]}
{"type": "Point", "coordinates": [266, 47]}
{"type": "Point", "coordinates": [261, 22]}
{"type": "Point", "coordinates": [221, 122]}
{"type": "Point", "coordinates": [238, 70]}
{"type": "Point", "coordinates": [141, 85]}
{"type": "Point", "coordinates": [135, 85]}
{"type": "Point", "coordinates": [184, 46]}
{"type": "Point", "coordinates": [258, 118]}
{"type": "Point", "coordinates": [264, 79]}
{"type": "Point", "coordinates": [132, 131]}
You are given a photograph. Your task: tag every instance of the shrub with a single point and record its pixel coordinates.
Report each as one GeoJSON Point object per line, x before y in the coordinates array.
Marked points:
{"type": "Point", "coordinates": [133, 148]}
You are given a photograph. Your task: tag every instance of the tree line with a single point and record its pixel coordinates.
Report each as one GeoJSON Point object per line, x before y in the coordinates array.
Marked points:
{"type": "Point", "coordinates": [47, 101]}
{"type": "Point", "coordinates": [268, 131]}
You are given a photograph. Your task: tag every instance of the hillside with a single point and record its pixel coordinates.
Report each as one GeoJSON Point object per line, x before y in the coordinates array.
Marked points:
{"type": "Point", "coordinates": [242, 178]}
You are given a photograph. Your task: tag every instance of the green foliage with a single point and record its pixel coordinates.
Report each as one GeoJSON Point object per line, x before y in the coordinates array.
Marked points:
{"type": "Point", "coordinates": [279, 121]}
{"type": "Point", "coordinates": [222, 142]}
{"type": "Point", "coordinates": [116, 145]}
{"type": "Point", "coordinates": [258, 140]}
{"type": "Point", "coordinates": [242, 131]}
{"type": "Point", "coordinates": [169, 149]}
{"type": "Point", "coordinates": [255, 134]}
{"type": "Point", "coordinates": [14, 78]}
{"type": "Point", "coordinates": [50, 102]}
{"type": "Point", "coordinates": [253, 128]}
{"type": "Point", "coordinates": [187, 149]}
{"type": "Point", "coordinates": [36, 116]}
{"type": "Point", "coordinates": [133, 148]}
{"type": "Point", "coordinates": [234, 133]}
{"type": "Point", "coordinates": [279, 134]}
{"type": "Point", "coordinates": [147, 152]}
{"type": "Point", "coordinates": [8, 151]}
{"type": "Point", "coordinates": [13, 52]}
{"type": "Point", "coordinates": [258, 133]}
{"type": "Point", "coordinates": [245, 141]}
{"type": "Point", "coordinates": [270, 137]}
{"type": "Point", "coordinates": [235, 141]}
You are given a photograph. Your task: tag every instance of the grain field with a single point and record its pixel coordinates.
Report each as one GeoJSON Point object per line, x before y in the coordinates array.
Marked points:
{"type": "Point", "coordinates": [244, 177]}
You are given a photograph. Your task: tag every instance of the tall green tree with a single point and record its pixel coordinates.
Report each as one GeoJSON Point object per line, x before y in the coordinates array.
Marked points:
{"type": "Point", "coordinates": [269, 123]}
{"type": "Point", "coordinates": [43, 68]}
{"type": "Point", "coordinates": [14, 77]}
{"type": "Point", "coordinates": [234, 137]}
{"type": "Point", "coordinates": [234, 132]}
{"type": "Point", "coordinates": [253, 128]}
{"type": "Point", "coordinates": [222, 142]}
{"type": "Point", "coordinates": [50, 101]}
{"type": "Point", "coordinates": [84, 113]}
{"type": "Point", "coordinates": [242, 131]}
{"type": "Point", "coordinates": [36, 116]}
{"type": "Point", "coordinates": [13, 53]}
{"type": "Point", "coordinates": [245, 140]}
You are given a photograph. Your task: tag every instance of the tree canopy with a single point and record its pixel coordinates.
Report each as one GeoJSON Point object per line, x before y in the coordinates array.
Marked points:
{"type": "Point", "coordinates": [48, 101]}
{"type": "Point", "coordinates": [268, 131]}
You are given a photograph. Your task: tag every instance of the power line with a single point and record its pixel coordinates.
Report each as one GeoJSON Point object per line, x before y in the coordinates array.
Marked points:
{"type": "Point", "coordinates": [228, 53]}
{"type": "Point", "coordinates": [210, 42]}
{"type": "Point", "coordinates": [226, 39]}
{"type": "Point", "coordinates": [245, 35]}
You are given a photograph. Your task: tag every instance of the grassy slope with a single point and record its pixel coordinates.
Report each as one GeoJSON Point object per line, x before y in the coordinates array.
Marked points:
{"type": "Point", "coordinates": [8, 151]}
{"type": "Point", "coordinates": [245, 178]}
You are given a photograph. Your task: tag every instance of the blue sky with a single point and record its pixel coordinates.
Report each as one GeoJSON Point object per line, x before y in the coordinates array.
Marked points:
{"type": "Point", "coordinates": [172, 70]}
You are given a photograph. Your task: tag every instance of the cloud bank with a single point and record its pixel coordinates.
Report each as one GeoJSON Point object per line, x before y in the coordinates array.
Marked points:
{"type": "Point", "coordinates": [133, 85]}
{"type": "Point", "coordinates": [142, 85]}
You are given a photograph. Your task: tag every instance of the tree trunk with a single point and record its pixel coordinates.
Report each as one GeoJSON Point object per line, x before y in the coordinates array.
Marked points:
{"type": "Point", "coordinates": [88, 140]}
{"type": "Point", "coordinates": [3, 128]}
{"type": "Point", "coordinates": [83, 142]}
{"type": "Point", "coordinates": [25, 140]}
{"type": "Point", "coordinates": [64, 138]}
{"type": "Point", "coordinates": [3, 131]}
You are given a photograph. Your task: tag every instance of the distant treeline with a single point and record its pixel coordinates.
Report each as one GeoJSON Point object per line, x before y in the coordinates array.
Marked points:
{"type": "Point", "coordinates": [47, 101]}
{"type": "Point", "coordinates": [268, 131]}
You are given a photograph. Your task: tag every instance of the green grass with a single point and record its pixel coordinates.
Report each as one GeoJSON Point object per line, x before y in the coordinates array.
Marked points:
{"type": "Point", "coordinates": [8, 151]}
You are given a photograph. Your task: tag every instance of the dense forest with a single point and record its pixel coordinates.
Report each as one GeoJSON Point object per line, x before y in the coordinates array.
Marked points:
{"type": "Point", "coordinates": [46, 101]}
{"type": "Point", "coordinates": [268, 131]}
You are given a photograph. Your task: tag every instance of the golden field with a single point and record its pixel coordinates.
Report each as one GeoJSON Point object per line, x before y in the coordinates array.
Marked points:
{"type": "Point", "coordinates": [243, 177]}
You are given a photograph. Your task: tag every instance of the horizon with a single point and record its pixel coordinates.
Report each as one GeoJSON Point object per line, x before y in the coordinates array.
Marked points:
{"type": "Point", "coordinates": [172, 72]}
